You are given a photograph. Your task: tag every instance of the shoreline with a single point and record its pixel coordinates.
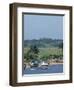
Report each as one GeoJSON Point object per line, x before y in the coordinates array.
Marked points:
{"type": "Point", "coordinates": [28, 66]}
{"type": "Point", "coordinates": [55, 63]}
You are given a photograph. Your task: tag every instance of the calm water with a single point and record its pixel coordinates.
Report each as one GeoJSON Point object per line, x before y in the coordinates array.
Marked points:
{"type": "Point", "coordinates": [48, 69]}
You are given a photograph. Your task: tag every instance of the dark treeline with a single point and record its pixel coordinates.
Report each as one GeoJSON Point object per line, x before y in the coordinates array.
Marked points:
{"type": "Point", "coordinates": [44, 42]}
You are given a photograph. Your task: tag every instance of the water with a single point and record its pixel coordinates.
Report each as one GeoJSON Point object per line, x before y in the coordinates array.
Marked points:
{"type": "Point", "coordinates": [49, 69]}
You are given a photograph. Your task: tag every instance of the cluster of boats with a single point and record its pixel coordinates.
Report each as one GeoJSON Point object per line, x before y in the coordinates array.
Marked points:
{"type": "Point", "coordinates": [35, 63]}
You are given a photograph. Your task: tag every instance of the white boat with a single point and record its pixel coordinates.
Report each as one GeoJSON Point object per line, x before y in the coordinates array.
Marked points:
{"type": "Point", "coordinates": [43, 65]}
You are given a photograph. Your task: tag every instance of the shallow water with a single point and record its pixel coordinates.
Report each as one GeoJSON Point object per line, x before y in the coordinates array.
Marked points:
{"type": "Point", "coordinates": [49, 69]}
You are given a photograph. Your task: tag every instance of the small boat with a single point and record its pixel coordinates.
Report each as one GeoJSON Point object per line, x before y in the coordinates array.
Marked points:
{"type": "Point", "coordinates": [34, 63]}
{"type": "Point", "coordinates": [44, 65]}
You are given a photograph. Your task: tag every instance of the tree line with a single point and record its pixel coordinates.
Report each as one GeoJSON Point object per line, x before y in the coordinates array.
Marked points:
{"type": "Point", "coordinates": [44, 42]}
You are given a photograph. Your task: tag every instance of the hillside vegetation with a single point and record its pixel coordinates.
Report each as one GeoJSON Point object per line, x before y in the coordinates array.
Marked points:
{"type": "Point", "coordinates": [43, 49]}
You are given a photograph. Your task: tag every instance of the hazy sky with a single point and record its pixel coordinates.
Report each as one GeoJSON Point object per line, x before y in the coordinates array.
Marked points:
{"type": "Point", "coordinates": [41, 26]}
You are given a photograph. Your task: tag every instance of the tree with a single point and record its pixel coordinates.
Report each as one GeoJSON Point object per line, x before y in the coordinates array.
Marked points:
{"type": "Point", "coordinates": [34, 49]}
{"type": "Point", "coordinates": [32, 53]}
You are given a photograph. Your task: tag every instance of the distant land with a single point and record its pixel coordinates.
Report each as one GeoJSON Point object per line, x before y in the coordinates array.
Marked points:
{"type": "Point", "coordinates": [43, 42]}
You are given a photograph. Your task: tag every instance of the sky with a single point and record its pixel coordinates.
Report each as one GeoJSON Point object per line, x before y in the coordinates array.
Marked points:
{"type": "Point", "coordinates": [43, 26]}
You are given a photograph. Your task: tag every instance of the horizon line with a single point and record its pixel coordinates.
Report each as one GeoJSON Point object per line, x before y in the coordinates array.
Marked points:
{"type": "Point", "coordinates": [44, 38]}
